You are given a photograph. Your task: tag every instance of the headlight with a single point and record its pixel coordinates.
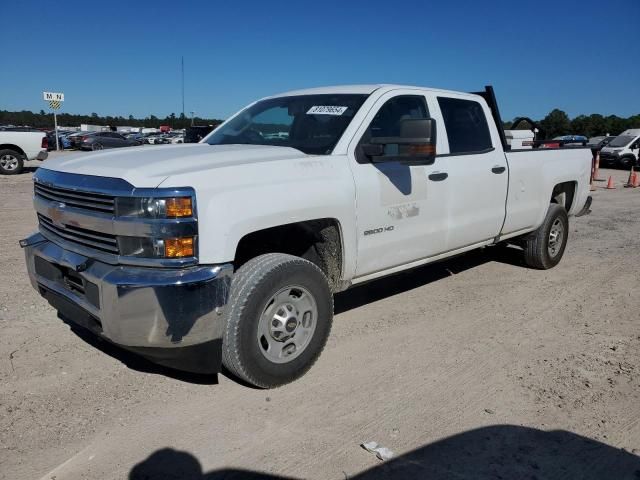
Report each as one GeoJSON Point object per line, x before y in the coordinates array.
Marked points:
{"type": "Point", "coordinates": [167, 229]}
{"type": "Point", "coordinates": [179, 247]}
{"type": "Point", "coordinates": [149, 207]}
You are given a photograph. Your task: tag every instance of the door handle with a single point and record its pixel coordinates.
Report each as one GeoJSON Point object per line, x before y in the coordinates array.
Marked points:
{"type": "Point", "coordinates": [498, 169]}
{"type": "Point", "coordinates": [438, 176]}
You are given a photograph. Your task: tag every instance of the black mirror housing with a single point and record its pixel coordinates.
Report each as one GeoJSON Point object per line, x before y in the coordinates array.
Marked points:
{"type": "Point", "coordinates": [416, 144]}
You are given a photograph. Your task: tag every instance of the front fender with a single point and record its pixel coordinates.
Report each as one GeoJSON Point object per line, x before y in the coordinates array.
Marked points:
{"type": "Point", "coordinates": [237, 200]}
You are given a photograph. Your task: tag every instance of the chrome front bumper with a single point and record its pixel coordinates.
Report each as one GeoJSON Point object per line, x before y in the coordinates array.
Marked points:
{"type": "Point", "coordinates": [138, 308]}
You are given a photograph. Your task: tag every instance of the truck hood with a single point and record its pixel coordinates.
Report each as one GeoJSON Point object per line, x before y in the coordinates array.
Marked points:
{"type": "Point", "coordinates": [148, 167]}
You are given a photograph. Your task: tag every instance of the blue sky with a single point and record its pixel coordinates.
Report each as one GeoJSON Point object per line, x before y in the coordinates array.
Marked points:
{"type": "Point", "coordinates": [121, 58]}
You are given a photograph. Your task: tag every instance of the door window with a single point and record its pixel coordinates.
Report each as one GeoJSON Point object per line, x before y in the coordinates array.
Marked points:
{"type": "Point", "coordinates": [466, 125]}
{"type": "Point", "coordinates": [387, 121]}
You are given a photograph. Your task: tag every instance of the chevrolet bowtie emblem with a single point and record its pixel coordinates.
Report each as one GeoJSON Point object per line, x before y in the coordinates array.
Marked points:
{"type": "Point", "coordinates": [56, 212]}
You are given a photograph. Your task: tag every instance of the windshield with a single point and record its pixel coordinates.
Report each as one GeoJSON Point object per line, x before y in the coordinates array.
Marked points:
{"type": "Point", "coordinates": [621, 141]}
{"type": "Point", "coordinates": [312, 124]}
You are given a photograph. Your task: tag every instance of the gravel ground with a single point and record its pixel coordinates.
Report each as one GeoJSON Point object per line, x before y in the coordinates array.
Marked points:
{"type": "Point", "coordinates": [471, 368]}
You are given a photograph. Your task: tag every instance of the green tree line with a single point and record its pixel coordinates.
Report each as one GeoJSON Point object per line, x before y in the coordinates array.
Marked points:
{"type": "Point", "coordinates": [554, 124]}
{"type": "Point", "coordinates": [45, 120]}
{"type": "Point", "coordinates": [558, 123]}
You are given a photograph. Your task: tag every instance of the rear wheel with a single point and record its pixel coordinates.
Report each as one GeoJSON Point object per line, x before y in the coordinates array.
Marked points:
{"type": "Point", "coordinates": [278, 319]}
{"type": "Point", "coordinates": [544, 247]}
{"type": "Point", "coordinates": [96, 146]}
{"type": "Point", "coordinates": [11, 162]}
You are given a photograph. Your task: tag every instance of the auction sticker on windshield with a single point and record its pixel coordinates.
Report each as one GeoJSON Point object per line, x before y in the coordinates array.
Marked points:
{"type": "Point", "coordinates": [326, 110]}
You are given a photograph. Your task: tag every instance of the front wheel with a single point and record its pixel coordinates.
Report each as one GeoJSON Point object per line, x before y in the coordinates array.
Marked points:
{"type": "Point", "coordinates": [278, 319]}
{"type": "Point", "coordinates": [627, 162]}
{"type": "Point", "coordinates": [544, 247]}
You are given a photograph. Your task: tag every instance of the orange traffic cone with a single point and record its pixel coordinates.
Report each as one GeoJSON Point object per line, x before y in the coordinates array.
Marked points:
{"type": "Point", "coordinates": [632, 176]}
{"type": "Point", "coordinates": [610, 185]}
{"type": "Point", "coordinates": [596, 173]}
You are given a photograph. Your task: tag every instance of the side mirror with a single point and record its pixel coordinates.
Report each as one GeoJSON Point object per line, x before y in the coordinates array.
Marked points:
{"type": "Point", "coordinates": [416, 144]}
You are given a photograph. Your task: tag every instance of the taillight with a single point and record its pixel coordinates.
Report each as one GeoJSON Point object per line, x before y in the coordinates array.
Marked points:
{"type": "Point", "coordinates": [45, 143]}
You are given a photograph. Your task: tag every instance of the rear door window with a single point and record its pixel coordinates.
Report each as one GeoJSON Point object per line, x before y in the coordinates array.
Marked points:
{"type": "Point", "coordinates": [466, 125]}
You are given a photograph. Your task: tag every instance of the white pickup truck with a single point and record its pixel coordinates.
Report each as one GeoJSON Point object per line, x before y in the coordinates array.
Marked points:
{"type": "Point", "coordinates": [16, 147]}
{"type": "Point", "coordinates": [229, 251]}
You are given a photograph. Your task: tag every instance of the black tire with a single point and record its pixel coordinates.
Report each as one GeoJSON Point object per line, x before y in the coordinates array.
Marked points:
{"type": "Point", "coordinates": [96, 146]}
{"type": "Point", "coordinates": [627, 161]}
{"type": "Point", "coordinates": [11, 162]}
{"type": "Point", "coordinates": [254, 285]}
{"type": "Point", "coordinates": [537, 250]}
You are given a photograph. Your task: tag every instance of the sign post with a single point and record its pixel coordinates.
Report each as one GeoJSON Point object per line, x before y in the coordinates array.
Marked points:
{"type": "Point", "coordinates": [55, 100]}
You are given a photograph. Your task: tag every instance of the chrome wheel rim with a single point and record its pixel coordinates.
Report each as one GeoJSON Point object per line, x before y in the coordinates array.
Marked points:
{"type": "Point", "coordinates": [556, 237]}
{"type": "Point", "coordinates": [97, 146]}
{"type": "Point", "coordinates": [287, 324]}
{"type": "Point", "coordinates": [9, 162]}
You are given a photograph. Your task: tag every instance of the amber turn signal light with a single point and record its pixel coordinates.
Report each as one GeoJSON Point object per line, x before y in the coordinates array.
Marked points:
{"type": "Point", "coordinates": [179, 207]}
{"type": "Point", "coordinates": [179, 247]}
{"type": "Point", "coordinates": [422, 149]}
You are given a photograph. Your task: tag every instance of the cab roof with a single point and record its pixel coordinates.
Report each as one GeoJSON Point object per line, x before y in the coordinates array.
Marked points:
{"type": "Point", "coordinates": [360, 89]}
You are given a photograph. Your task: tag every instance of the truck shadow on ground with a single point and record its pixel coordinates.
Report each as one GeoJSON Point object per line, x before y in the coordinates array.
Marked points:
{"type": "Point", "coordinates": [345, 301]}
{"type": "Point", "coordinates": [496, 452]}
{"type": "Point", "coordinates": [27, 171]}
{"type": "Point", "coordinates": [136, 362]}
{"type": "Point", "coordinates": [418, 277]}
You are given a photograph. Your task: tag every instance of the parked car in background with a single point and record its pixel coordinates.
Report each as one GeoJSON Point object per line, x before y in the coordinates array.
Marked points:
{"type": "Point", "coordinates": [623, 151]}
{"type": "Point", "coordinates": [101, 140]}
{"type": "Point", "coordinates": [63, 141]}
{"type": "Point", "coordinates": [572, 139]}
{"type": "Point", "coordinates": [597, 143]}
{"type": "Point", "coordinates": [18, 146]}
{"type": "Point", "coordinates": [135, 136]}
{"type": "Point", "coordinates": [153, 138]}
{"type": "Point", "coordinates": [170, 138]}
{"type": "Point", "coordinates": [195, 134]}
{"type": "Point", "coordinates": [76, 138]}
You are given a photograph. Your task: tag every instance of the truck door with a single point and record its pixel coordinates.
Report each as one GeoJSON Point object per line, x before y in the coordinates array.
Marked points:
{"type": "Point", "coordinates": [399, 208]}
{"type": "Point", "coordinates": [478, 173]}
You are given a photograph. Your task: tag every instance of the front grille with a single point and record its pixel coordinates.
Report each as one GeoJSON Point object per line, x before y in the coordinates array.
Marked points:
{"type": "Point", "coordinates": [95, 202]}
{"type": "Point", "coordinates": [87, 238]}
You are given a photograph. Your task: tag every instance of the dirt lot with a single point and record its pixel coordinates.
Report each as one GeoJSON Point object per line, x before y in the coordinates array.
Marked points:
{"type": "Point", "coordinates": [473, 368]}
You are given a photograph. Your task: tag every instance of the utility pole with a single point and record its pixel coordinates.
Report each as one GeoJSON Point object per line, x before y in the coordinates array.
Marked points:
{"type": "Point", "coordinates": [182, 64]}
{"type": "Point", "coordinates": [192, 113]}
{"type": "Point", "coordinates": [55, 126]}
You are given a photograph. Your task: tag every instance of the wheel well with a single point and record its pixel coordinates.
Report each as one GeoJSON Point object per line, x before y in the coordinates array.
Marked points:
{"type": "Point", "coordinates": [318, 241]}
{"type": "Point", "coordinates": [563, 194]}
{"type": "Point", "coordinates": [15, 148]}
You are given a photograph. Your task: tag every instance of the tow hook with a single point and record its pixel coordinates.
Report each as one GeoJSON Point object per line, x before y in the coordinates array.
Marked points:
{"type": "Point", "coordinates": [32, 240]}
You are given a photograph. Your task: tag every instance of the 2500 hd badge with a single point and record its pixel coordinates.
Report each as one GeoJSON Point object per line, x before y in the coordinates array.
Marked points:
{"type": "Point", "coordinates": [378, 230]}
